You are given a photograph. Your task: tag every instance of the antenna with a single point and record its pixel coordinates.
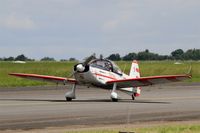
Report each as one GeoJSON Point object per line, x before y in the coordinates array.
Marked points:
{"type": "Point", "coordinates": [190, 69]}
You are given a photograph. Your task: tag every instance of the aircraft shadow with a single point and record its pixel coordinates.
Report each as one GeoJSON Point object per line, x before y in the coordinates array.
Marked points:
{"type": "Point", "coordinates": [89, 100]}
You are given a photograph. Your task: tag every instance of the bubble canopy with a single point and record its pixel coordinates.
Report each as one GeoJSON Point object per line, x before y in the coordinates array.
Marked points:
{"type": "Point", "coordinates": [105, 64]}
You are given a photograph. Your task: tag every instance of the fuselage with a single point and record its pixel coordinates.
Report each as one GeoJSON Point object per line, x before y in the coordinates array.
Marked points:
{"type": "Point", "coordinates": [99, 74]}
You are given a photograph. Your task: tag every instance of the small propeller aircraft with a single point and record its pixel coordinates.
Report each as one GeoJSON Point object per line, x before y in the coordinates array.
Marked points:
{"type": "Point", "coordinates": [103, 73]}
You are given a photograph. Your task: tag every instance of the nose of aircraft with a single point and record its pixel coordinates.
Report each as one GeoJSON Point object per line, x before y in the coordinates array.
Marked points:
{"type": "Point", "coordinates": [80, 68]}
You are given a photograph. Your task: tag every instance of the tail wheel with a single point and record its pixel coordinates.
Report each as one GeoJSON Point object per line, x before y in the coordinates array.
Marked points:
{"type": "Point", "coordinates": [133, 97]}
{"type": "Point", "coordinates": [68, 99]}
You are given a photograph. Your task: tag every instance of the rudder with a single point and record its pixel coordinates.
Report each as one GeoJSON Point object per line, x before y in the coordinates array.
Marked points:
{"type": "Point", "coordinates": [135, 71]}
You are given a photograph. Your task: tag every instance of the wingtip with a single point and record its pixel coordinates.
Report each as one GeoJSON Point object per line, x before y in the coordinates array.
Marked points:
{"type": "Point", "coordinates": [15, 74]}
{"type": "Point", "coordinates": [11, 74]}
{"type": "Point", "coordinates": [190, 75]}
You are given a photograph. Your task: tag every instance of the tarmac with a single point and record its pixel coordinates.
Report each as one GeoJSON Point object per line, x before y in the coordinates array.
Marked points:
{"type": "Point", "coordinates": [25, 108]}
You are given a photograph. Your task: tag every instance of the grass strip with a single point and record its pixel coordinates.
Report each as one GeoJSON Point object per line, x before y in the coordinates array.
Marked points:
{"type": "Point", "coordinates": [64, 69]}
{"type": "Point", "coordinates": [154, 129]}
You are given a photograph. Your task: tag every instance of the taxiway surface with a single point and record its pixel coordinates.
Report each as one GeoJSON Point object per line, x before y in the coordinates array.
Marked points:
{"type": "Point", "coordinates": [40, 107]}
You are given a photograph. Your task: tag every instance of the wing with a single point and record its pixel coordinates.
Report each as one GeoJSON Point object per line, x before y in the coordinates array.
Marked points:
{"type": "Point", "coordinates": [145, 81]}
{"type": "Point", "coordinates": [37, 77]}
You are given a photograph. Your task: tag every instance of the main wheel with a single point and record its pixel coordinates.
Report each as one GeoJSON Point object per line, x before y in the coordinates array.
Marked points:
{"type": "Point", "coordinates": [68, 99]}
{"type": "Point", "coordinates": [114, 100]}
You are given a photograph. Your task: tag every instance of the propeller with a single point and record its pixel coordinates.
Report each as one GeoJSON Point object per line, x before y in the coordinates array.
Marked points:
{"type": "Point", "coordinates": [88, 59]}
{"type": "Point", "coordinates": [77, 68]}
{"type": "Point", "coordinates": [82, 67]}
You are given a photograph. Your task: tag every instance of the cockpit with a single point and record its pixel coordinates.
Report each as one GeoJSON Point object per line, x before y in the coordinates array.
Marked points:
{"type": "Point", "coordinates": [105, 64]}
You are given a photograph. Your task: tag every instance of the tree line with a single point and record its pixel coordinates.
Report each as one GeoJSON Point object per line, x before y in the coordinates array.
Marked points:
{"type": "Point", "coordinates": [178, 54]}
{"type": "Point", "coordinates": [22, 57]}
{"type": "Point", "coordinates": [18, 58]}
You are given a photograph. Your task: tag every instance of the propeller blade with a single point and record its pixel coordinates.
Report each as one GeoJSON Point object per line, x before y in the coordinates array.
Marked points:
{"type": "Point", "coordinates": [88, 59]}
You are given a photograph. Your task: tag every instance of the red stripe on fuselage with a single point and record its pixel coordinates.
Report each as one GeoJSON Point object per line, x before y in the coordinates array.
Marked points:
{"type": "Point", "coordinates": [105, 76]}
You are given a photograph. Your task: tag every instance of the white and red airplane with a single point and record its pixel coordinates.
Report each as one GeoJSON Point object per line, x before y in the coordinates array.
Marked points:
{"type": "Point", "coordinates": [106, 74]}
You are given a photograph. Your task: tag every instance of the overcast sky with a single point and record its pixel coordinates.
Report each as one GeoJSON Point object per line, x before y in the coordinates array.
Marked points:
{"type": "Point", "coordinates": [78, 28]}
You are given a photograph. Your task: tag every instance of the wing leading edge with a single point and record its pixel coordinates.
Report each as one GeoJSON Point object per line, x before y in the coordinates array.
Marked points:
{"type": "Point", "coordinates": [54, 79]}
{"type": "Point", "coordinates": [151, 80]}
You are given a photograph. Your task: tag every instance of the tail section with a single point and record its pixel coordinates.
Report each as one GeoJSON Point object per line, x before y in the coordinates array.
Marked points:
{"type": "Point", "coordinates": [135, 71]}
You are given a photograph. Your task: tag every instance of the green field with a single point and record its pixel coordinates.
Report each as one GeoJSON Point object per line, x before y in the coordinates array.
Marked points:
{"type": "Point", "coordinates": [156, 129]}
{"type": "Point", "coordinates": [147, 68]}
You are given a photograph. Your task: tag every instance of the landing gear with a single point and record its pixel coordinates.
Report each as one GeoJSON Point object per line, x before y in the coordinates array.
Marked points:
{"type": "Point", "coordinates": [71, 94]}
{"type": "Point", "coordinates": [133, 97]}
{"type": "Point", "coordinates": [114, 100]}
{"type": "Point", "coordinates": [114, 95]}
{"type": "Point", "coordinates": [68, 99]}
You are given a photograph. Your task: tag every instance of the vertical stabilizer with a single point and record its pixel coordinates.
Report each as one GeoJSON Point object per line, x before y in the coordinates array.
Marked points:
{"type": "Point", "coordinates": [135, 71]}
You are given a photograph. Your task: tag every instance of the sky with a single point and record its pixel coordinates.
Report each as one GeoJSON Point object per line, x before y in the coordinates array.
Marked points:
{"type": "Point", "coordinates": [79, 28]}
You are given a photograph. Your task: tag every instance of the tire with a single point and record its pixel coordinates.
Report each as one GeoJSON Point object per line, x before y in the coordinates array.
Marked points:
{"type": "Point", "coordinates": [133, 97]}
{"type": "Point", "coordinates": [114, 100]}
{"type": "Point", "coordinates": [68, 99]}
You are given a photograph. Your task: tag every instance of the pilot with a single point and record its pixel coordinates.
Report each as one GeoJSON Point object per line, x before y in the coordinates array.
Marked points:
{"type": "Point", "coordinates": [108, 66]}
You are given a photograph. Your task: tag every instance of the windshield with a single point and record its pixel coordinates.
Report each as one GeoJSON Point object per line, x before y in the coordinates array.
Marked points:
{"type": "Point", "coordinates": [105, 65]}
{"type": "Point", "coordinates": [116, 69]}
